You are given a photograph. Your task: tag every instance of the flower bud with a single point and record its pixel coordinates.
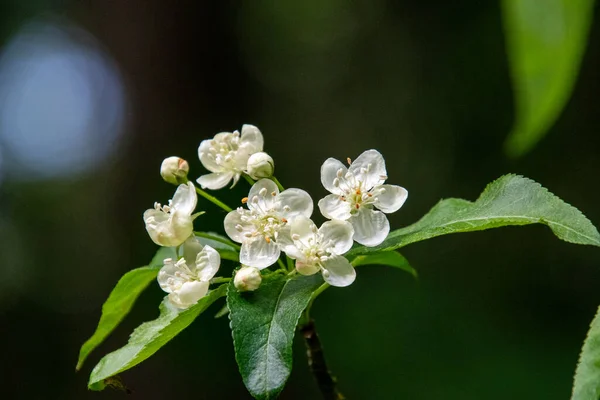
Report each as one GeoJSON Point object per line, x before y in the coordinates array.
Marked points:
{"type": "Point", "coordinates": [174, 170]}
{"type": "Point", "coordinates": [260, 165]}
{"type": "Point", "coordinates": [247, 279]}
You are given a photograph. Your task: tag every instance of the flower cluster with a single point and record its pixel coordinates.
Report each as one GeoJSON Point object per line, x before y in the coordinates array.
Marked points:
{"type": "Point", "coordinates": [275, 225]}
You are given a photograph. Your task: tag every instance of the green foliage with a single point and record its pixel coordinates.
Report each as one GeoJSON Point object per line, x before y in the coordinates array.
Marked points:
{"type": "Point", "coordinates": [387, 258]}
{"type": "Point", "coordinates": [226, 248]}
{"type": "Point", "coordinates": [117, 306]}
{"type": "Point", "coordinates": [587, 376]}
{"type": "Point", "coordinates": [545, 42]}
{"type": "Point", "coordinates": [509, 200]}
{"type": "Point", "coordinates": [121, 299]}
{"type": "Point", "coordinates": [147, 338]}
{"type": "Point", "coordinates": [263, 324]}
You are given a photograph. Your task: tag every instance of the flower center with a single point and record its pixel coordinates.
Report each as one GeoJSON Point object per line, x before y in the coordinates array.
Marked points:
{"type": "Point", "coordinates": [355, 192]}
{"type": "Point", "coordinates": [315, 249]}
{"type": "Point", "coordinates": [224, 150]}
{"type": "Point", "coordinates": [263, 216]}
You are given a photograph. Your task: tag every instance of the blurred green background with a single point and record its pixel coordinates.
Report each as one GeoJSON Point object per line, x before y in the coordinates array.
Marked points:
{"type": "Point", "coordinates": [94, 94]}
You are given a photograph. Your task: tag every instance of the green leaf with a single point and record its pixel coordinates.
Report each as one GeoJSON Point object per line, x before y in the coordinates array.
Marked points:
{"type": "Point", "coordinates": [117, 306]}
{"type": "Point", "coordinates": [147, 338]}
{"type": "Point", "coordinates": [226, 248]}
{"type": "Point", "coordinates": [387, 258]}
{"type": "Point", "coordinates": [263, 324]}
{"type": "Point", "coordinates": [545, 41]}
{"type": "Point", "coordinates": [510, 200]}
{"type": "Point", "coordinates": [587, 375]}
{"type": "Point", "coordinates": [121, 300]}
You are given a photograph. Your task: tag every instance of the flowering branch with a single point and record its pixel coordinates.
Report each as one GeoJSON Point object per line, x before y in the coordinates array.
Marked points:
{"type": "Point", "coordinates": [317, 363]}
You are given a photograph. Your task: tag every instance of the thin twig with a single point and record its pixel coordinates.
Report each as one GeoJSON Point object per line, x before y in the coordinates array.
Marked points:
{"type": "Point", "coordinates": [317, 364]}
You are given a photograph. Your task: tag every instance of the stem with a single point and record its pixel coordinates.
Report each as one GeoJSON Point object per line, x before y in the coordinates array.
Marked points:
{"type": "Point", "coordinates": [316, 293]}
{"type": "Point", "coordinates": [220, 280]}
{"type": "Point", "coordinates": [218, 239]}
{"type": "Point", "coordinates": [248, 179]}
{"type": "Point", "coordinates": [279, 185]}
{"type": "Point", "coordinates": [317, 363]}
{"type": "Point", "coordinates": [290, 264]}
{"type": "Point", "coordinates": [213, 200]}
{"type": "Point", "coordinates": [281, 265]}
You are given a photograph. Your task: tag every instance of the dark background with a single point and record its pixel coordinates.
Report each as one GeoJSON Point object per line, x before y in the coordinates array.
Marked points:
{"type": "Point", "coordinates": [495, 315]}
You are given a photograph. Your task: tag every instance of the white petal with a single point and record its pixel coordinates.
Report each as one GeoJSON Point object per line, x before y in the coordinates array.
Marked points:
{"type": "Point", "coordinates": [284, 236]}
{"type": "Point", "coordinates": [233, 222]}
{"type": "Point", "coordinates": [329, 171]}
{"type": "Point", "coordinates": [338, 271]}
{"type": "Point", "coordinates": [215, 181]}
{"type": "Point", "coordinates": [189, 294]}
{"type": "Point", "coordinates": [207, 263]}
{"type": "Point", "coordinates": [370, 227]}
{"type": "Point", "coordinates": [251, 139]}
{"type": "Point", "coordinates": [206, 157]}
{"type": "Point", "coordinates": [185, 198]}
{"type": "Point", "coordinates": [292, 252]}
{"type": "Point", "coordinates": [391, 199]}
{"type": "Point", "coordinates": [298, 201]}
{"type": "Point", "coordinates": [306, 268]}
{"type": "Point", "coordinates": [333, 207]}
{"type": "Point", "coordinates": [372, 161]}
{"type": "Point", "coordinates": [339, 234]}
{"type": "Point", "coordinates": [168, 272]}
{"type": "Point", "coordinates": [181, 227]}
{"type": "Point", "coordinates": [168, 230]}
{"type": "Point", "coordinates": [303, 230]}
{"type": "Point", "coordinates": [264, 201]}
{"type": "Point", "coordinates": [190, 249]}
{"type": "Point", "coordinates": [259, 253]}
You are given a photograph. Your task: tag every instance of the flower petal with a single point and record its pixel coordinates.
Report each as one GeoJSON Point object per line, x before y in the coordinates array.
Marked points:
{"type": "Point", "coordinates": [333, 207]}
{"type": "Point", "coordinates": [304, 230]}
{"type": "Point", "coordinates": [168, 230]}
{"type": "Point", "coordinates": [338, 271]}
{"type": "Point", "coordinates": [339, 234]}
{"type": "Point", "coordinates": [392, 198]}
{"type": "Point", "coordinates": [370, 227]}
{"type": "Point", "coordinates": [251, 140]}
{"type": "Point", "coordinates": [190, 249]}
{"type": "Point", "coordinates": [189, 294]}
{"type": "Point", "coordinates": [181, 227]}
{"type": "Point", "coordinates": [207, 263]}
{"type": "Point", "coordinates": [306, 268]}
{"type": "Point", "coordinates": [369, 168]}
{"type": "Point", "coordinates": [168, 272]}
{"type": "Point", "coordinates": [215, 181]}
{"type": "Point", "coordinates": [233, 221]}
{"type": "Point", "coordinates": [258, 252]}
{"type": "Point", "coordinates": [206, 157]}
{"type": "Point", "coordinates": [329, 171]}
{"type": "Point", "coordinates": [185, 198]}
{"type": "Point", "coordinates": [265, 201]}
{"type": "Point", "coordinates": [298, 201]}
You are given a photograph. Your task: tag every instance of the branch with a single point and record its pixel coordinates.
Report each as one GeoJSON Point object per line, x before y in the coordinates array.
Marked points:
{"type": "Point", "coordinates": [317, 364]}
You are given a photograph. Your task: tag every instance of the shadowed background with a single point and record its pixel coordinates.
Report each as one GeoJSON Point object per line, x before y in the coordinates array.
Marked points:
{"type": "Point", "coordinates": [94, 94]}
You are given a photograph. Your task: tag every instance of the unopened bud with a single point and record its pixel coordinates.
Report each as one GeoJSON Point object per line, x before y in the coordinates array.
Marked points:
{"type": "Point", "coordinates": [247, 279]}
{"type": "Point", "coordinates": [260, 165]}
{"type": "Point", "coordinates": [174, 170]}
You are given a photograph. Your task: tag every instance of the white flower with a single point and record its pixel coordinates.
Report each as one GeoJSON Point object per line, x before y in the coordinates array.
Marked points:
{"type": "Point", "coordinates": [320, 250]}
{"type": "Point", "coordinates": [247, 279]}
{"type": "Point", "coordinates": [174, 170]}
{"type": "Point", "coordinates": [259, 228]}
{"type": "Point", "coordinates": [260, 165]}
{"type": "Point", "coordinates": [356, 191]}
{"type": "Point", "coordinates": [187, 279]}
{"type": "Point", "coordinates": [226, 156]}
{"type": "Point", "coordinates": [172, 224]}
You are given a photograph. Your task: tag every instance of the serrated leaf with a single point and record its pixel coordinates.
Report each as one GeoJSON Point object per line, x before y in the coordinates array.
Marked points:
{"type": "Point", "coordinates": [263, 324]}
{"type": "Point", "coordinates": [117, 306]}
{"type": "Point", "coordinates": [510, 200]}
{"type": "Point", "coordinates": [387, 258]}
{"type": "Point", "coordinates": [226, 248]}
{"type": "Point", "coordinates": [545, 42]}
{"type": "Point", "coordinates": [147, 338]}
{"type": "Point", "coordinates": [121, 300]}
{"type": "Point", "coordinates": [587, 376]}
